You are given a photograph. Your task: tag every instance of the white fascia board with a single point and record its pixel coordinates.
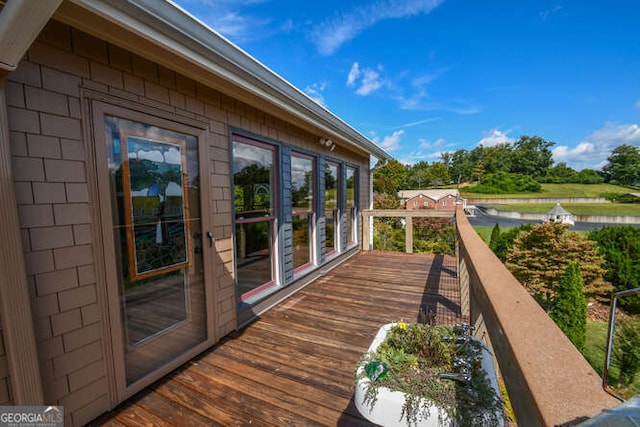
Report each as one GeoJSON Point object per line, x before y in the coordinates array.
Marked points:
{"type": "Point", "coordinates": [166, 24]}
{"type": "Point", "coordinates": [20, 24]}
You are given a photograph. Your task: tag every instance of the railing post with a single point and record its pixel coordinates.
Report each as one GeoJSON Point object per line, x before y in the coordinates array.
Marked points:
{"type": "Point", "coordinates": [408, 237]}
{"type": "Point", "coordinates": [366, 232]}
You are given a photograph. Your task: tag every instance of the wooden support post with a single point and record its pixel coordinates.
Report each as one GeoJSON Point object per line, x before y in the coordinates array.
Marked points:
{"type": "Point", "coordinates": [15, 303]}
{"type": "Point", "coordinates": [408, 238]}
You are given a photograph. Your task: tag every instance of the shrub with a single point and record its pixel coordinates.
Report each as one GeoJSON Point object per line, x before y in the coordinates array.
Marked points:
{"type": "Point", "coordinates": [626, 351]}
{"type": "Point", "coordinates": [503, 183]}
{"type": "Point", "coordinates": [620, 247]}
{"type": "Point", "coordinates": [569, 309]}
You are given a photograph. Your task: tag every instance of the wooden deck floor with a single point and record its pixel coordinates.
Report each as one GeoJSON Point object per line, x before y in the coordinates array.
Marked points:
{"type": "Point", "coordinates": [295, 365]}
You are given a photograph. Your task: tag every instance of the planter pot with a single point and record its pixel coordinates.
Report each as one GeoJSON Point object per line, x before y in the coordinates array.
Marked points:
{"type": "Point", "coordinates": [387, 410]}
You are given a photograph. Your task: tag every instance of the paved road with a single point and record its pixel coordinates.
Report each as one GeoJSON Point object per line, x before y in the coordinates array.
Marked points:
{"type": "Point", "coordinates": [482, 218]}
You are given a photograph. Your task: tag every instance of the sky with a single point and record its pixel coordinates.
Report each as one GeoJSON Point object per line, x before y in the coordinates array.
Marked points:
{"type": "Point", "coordinates": [423, 77]}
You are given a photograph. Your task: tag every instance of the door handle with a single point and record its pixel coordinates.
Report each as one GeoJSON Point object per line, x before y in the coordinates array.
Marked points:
{"type": "Point", "coordinates": [210, 237]}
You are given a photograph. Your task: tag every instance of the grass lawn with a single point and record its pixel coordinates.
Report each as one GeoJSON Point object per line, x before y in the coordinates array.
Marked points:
{"type": "Point", "coordinates": [596, 346]}
{"type": "Point", "coordinates": [630, 209]}
{"type": "Point", "coordinates": [558, 190]}
{"type": "Point", "coordinates": [595, 351]}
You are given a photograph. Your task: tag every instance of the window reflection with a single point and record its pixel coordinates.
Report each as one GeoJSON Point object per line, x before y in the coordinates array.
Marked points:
{"type": "Point", "coordinates": [331, 197]}
{"type": "Point", "coordinates": [302, 195]}
{"type": "Point", "coordinates": [254, 208]}
{"type": "Point", "coordinates": [351, 205]}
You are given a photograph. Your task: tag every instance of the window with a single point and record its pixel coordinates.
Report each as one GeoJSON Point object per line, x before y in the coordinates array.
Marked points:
{"type": "Point", "coordinates": [415, 203]}
{"type": "Point", "coordinates": [254, 177]}
{"type": "Point", "coordinates": [303, 209]}
{"type": "Point", "coordinates": [352, 209]}
{"type": "Point", "coordinates": [331, 200]}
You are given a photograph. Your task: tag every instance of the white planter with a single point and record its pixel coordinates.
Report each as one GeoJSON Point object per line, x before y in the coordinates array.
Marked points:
{"type": "Point", "coordinates": [387, 410]}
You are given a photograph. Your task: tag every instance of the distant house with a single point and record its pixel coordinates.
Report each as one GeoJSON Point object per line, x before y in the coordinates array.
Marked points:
{"type": "Point", "coordinates": [561, 215]}
{"type": "Point", "coordinates": [442, 200]}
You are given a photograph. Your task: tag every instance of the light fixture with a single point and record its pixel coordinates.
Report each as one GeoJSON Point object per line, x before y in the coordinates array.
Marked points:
{"type": "Point", "coordinates": [327, 143]}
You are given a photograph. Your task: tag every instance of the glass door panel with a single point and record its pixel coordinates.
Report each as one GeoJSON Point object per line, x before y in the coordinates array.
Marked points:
{"type": "Point", "coordinates": [155, 200]}
{"type": "Point", "coordinates": [254, 216]}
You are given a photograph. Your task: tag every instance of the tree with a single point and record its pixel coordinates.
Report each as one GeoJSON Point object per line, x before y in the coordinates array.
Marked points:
{"type": "Point", "coordinates": [418, 175]}
{"type": "Point", "coordinates": [570, 307]}
{"type": "Point", "coordinates": [539, 257]}
{"type": "Point", "coordinates": [620, 247]}
{"type": "Point", "coordinates": [478, 171]}
{"type": "Point", "coordinates": [624, 165]}
{"type": "Point", "coordinates": [460, 165]}
{"type": "Point", "coordinates": [438, 174]}
{"type": "Point", "coordinates": [504, 242]}
{"type": "Point", "coordinates": [505, 183]}
{"type": "Point", "coordinates": [495, 234]}
{"type": "Point", "coordinates": [385, 201]}
{"type": "Point", "coordinates": [531, 156]}
{"type": "Point", "coordinates": [390, 178]}
{"type": "Point", "coordinates": [497, 158]}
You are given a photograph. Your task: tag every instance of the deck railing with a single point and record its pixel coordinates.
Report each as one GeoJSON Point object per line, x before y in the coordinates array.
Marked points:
{"type": "Point", "coordinates": [548, 381]}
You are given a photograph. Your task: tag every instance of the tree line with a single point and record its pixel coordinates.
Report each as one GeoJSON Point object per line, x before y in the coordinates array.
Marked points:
{"type": "Point", "coordinates": [520, 166]}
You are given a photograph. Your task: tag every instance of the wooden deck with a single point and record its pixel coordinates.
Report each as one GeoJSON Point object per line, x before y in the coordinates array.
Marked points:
{"type": "Point", "coordinates": [295, 365]}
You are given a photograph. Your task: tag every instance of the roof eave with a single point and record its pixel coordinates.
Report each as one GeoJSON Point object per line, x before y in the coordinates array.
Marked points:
{"type": "Point", "coordinates": [172, 28]}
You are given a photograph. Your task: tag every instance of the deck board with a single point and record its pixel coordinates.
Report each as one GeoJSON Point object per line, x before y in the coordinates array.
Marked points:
{"type": "Point", "coordinates": [294, 365]}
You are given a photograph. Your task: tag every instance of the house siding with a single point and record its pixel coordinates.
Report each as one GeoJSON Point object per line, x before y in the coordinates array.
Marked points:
{"type": "Point", "coordinates": [51, 166]}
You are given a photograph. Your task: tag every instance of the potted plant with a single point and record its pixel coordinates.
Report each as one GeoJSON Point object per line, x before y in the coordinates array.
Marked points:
{"type": "Point", "coordinates": [424, 375]}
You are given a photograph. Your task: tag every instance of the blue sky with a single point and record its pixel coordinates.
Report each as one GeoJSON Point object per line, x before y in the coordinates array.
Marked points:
{"type": "Point", "coordinates": [421, 77]}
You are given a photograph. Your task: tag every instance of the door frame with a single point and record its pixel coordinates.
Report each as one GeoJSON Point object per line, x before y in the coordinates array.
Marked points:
{"type": "Point", "coordinates": [96, 106]}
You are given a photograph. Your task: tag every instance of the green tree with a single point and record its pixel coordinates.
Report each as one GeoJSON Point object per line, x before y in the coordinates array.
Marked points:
{"type": "Point", "coordinates": [418, 175]}
{"type": "Point", "coordinates": [460, 165]}
{"type": "Point", "coordinates": [478, 171]}
{"type": "Point", "coordinates": [620, 247]}
{"type": "Point", "coordinates": [539, 257]}
{"type": "Point", "coordinates": [497, 158]}
{"type": "Point", "coordinates": [495, 234]}
{"type": "Point", "coordinates": [560, 173]}
{"type": "Point", "coordinates": [503, 244]}
{"type": "Point", "coordinates": [531, 156]}
{"type": "Point", "coordinates": [390, 178]}
{"type": "Point", "coordinates": [505, 183]}
{"type": "Point", "coordinates": [438, 174]}
{"type": "Point", "coordinates": [569, 309]}
{"type": "Point", "coordinates": [624, 165]}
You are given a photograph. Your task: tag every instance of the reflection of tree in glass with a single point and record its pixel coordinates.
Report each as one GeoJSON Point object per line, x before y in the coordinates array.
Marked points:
{"type": "Point", "coordinates": [247, 200]}
{"type": "Point", "coordinates": [301, 194]}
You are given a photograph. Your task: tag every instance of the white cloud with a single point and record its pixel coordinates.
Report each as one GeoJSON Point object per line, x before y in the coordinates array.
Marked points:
{"type": "Point", "coordinates": [593, 151]}
{"type": "Point", "coordinates": [390, 142]}
{"type": "Point", "coordinates": [367, 80]}
{"type": "Point", "coordinates": [224, 17]}
{"type": "Point", "coordinates": [315, 92]}
{"type": "Point", "coordinates": [329, 35]}
{"type": "Point", "coordinates": [153, 155]}
{"type": "Point", "coordinates": [437, 144]}
{"type": "Point", "coordinates": [495, 137]}
{"type": "Point", "coordinates": [172, 156]}
{"type": "Point", "coordinates": [370, 82]}
{"type": "Point", "coordinates": [420, 122]}
{"type": "Point", "coordinates": [546, 13]}
{"type": "Point", "coordinates": [354, 73]}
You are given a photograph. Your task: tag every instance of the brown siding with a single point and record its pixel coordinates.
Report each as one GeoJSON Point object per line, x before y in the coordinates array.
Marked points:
{"type": "Point", "coordinates": [50, 173]}
{"type": "Point", "coordinates": [6, 397]}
